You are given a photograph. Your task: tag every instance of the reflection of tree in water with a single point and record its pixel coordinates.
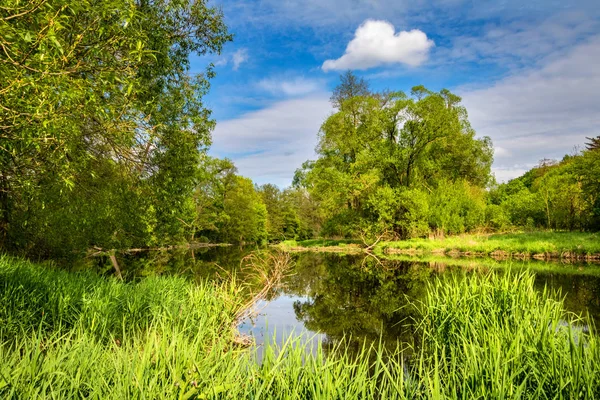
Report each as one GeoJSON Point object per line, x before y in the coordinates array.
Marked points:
{"type": "Point", "coordinates": [350, 296]}
{"type": "Point", "coordinates": [359, 298]}
{"type": "Point", "coordinates": [581, 292]}
{"type": "Point", "coordinates": [199, 264]}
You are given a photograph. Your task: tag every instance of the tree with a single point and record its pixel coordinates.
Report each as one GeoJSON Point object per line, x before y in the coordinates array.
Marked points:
{"type": "Point", "coordinates": [593, 144]}
{"type": "Point", "coordinates": [245, 214]}
{"type": "Point", "coordinates": [379, 143]}
{"type": "Point", "coordinates": [586, 168]}
{"type": "Point", "coordinates": [350, 86]}
{"type": "Point", "coordinates": [90, 87]}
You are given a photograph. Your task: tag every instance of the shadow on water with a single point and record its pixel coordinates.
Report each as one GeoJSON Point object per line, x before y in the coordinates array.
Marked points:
{"type": "Point", "coordinates": [328, 297]}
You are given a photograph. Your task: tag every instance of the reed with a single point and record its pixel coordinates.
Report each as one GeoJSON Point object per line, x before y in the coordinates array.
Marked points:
{"type": "Point", "coordinates": [68, 335]}
{"type": "Point", "coordinates": [494, 336]}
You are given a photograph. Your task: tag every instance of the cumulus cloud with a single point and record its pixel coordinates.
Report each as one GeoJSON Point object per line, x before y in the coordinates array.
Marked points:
{"type": "Point", "coordinates": [297, 86]}
{"type": "Point", "coordinates": [540, 113]}
{"type": "Point", "coordinates": [239, 57]}
{"type": "Point", "coordinates": [376, 43]}
{"type": "Point", "coordinates": [268, 145]}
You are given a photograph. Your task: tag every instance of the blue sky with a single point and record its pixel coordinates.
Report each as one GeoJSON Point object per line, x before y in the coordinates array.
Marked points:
{"type": "Point", "coordinates": [528, 72]}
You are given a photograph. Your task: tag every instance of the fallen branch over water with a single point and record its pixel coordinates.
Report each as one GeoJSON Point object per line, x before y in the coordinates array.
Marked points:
{"type": "Point", "coordinates": [267, 271]}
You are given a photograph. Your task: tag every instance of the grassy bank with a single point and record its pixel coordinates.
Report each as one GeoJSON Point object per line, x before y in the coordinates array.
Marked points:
{"type": "Point", "coordinates": [525, 245]}
{"type": "Point", "coordinates": [71, 335]}
{"type": "Point", "coordinates": [66, 335]}
{"type": "Point", "coordinates": [541, 245]}
{"type": "Point", "coordinates": [483, 265]}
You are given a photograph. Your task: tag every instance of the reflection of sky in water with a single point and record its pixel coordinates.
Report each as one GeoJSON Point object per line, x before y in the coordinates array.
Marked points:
{"type": "Point", "coordinates": [348, 295]}
{"type": "Point", "coordinates": [276, 320]}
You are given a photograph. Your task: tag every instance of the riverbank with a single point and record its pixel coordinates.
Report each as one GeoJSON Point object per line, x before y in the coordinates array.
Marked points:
{"type": "Point", "coordinates": [80, 335]}
{"type": "Point", "coordinates": [539, 245]}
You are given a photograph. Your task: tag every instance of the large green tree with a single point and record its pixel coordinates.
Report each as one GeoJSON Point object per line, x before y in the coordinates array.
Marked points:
{"type": "Point", "coordinates": [379, 145]}
{"type": "Point", "coordinates": [98, 105]}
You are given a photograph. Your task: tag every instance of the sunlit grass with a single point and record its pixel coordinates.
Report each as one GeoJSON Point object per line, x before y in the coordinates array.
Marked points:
{"type": "Point", "coordinates": [66, 335]}
{"type": "Point", "coordinates": [552, 243]}
{"type": "Point", "coordinates": [495, 336]}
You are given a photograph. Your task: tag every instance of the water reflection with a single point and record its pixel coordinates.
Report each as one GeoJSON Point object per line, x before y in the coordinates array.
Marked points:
{"type": "Point", "coordinates": [353, 296]}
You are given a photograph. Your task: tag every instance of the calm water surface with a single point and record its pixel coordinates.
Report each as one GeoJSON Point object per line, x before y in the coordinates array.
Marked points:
{"type": "Point", "coordinates": [326, 297]}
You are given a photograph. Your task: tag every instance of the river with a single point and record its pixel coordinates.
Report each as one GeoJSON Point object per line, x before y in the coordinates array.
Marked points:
{"type": "Point", "coordinates": [325, 297]}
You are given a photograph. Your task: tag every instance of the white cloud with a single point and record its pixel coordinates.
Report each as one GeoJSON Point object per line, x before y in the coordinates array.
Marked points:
{"type": "Point", "coordinates": [236, 59]}
{"type": "Point", "coordinates": [521, 43]}
{"type": "Point", "coordinates": [297, 86]}
{"type": "Point", "coordinates": [221, 62]}
{"type": "Point", "coordinates": [239, 57]}
{"type": "Point", "coordinates": [540, 113]}
{"type": "Point", "coordinates": [375, 43]}
{"type": "Point", "coordinates": [268, 145]}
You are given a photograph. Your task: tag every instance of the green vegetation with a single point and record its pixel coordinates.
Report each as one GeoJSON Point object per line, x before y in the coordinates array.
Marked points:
{"type": "Point", "coordinates": [81, 336]}
{"type": "Point", "coordinates": [552, 244]}
{"type": "Point", "coordinates": [86, 336]}
{"type": "Point", "coordinates": [494, 336]}
{"type": "Point", "coordinates": [547, 245]}
{"type": "Point", "coordinates": [103, 147]}
{"type": "Point", "coordinates": [409, 166]}
{"type": "Point", "coordinates": [552, 266]}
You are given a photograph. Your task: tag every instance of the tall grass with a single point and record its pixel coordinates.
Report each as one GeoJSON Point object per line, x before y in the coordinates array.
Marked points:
{"type": "Point", "coordinates": [65, 335]}
{"type": "Point", "coordinates": [494, 336]}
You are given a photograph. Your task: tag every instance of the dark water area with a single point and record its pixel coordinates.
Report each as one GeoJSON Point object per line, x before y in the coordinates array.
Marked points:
{"type": "Point", "coordinates": [326, 297]}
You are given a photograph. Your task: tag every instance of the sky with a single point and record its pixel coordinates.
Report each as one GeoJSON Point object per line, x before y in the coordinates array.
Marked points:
{"type": "Point", "coordinates": [528, 73]}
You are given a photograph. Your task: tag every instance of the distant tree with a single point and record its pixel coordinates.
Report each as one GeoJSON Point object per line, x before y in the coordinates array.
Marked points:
{"type": "Point", "coordinates": [377, 143]}
{"type": "Point", "coordinates": [593, 144]}
{"type": "Point", "coordinates": [245, 214]}
{"type": "Point", "coordinates": [350, 86]}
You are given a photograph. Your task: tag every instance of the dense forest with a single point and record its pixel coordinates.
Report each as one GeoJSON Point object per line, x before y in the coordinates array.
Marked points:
{"type": "Point", "coordinates": [104, 138]}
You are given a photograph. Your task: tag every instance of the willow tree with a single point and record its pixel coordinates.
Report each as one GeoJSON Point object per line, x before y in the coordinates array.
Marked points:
{"type": "Point", "coordinates": [97, 97]}
{"type": "Point", "coordinates": [379, 145]}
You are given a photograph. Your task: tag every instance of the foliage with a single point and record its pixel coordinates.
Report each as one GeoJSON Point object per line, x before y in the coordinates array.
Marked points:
{"type": "Point", "coordinates": [380, 151]}
{"type": "Point", "coordinates": [98, 102]}
{"type": "Point", "coordinates": [456, 207]}
{"type": "Point", "coordinates": [554, 195]}
{"type": "Point", "coordinates": [245, 213]}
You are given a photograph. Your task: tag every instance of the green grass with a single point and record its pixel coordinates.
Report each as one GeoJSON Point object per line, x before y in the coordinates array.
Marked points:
{"type": "Point", "coordinates": [78, 335]}
{"type": "Point", "coordinates": [553, 243]}
{"type": "Point", "coordinates": [67, 335]}
{"type": "Point", "coordinates": [494, 336]}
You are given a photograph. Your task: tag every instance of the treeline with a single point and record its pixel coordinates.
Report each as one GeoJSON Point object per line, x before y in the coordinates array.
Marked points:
{"type": "Point", "coordinates": [400, 166]}
{"type": "Point", "coordinates": [561, 195]}
{"type": "Point", "coordinates": [231, 209]}
{"type": "Point", "coordinates": [104, 135]}
{"type": "Point", "coordinates": [104, 138]}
